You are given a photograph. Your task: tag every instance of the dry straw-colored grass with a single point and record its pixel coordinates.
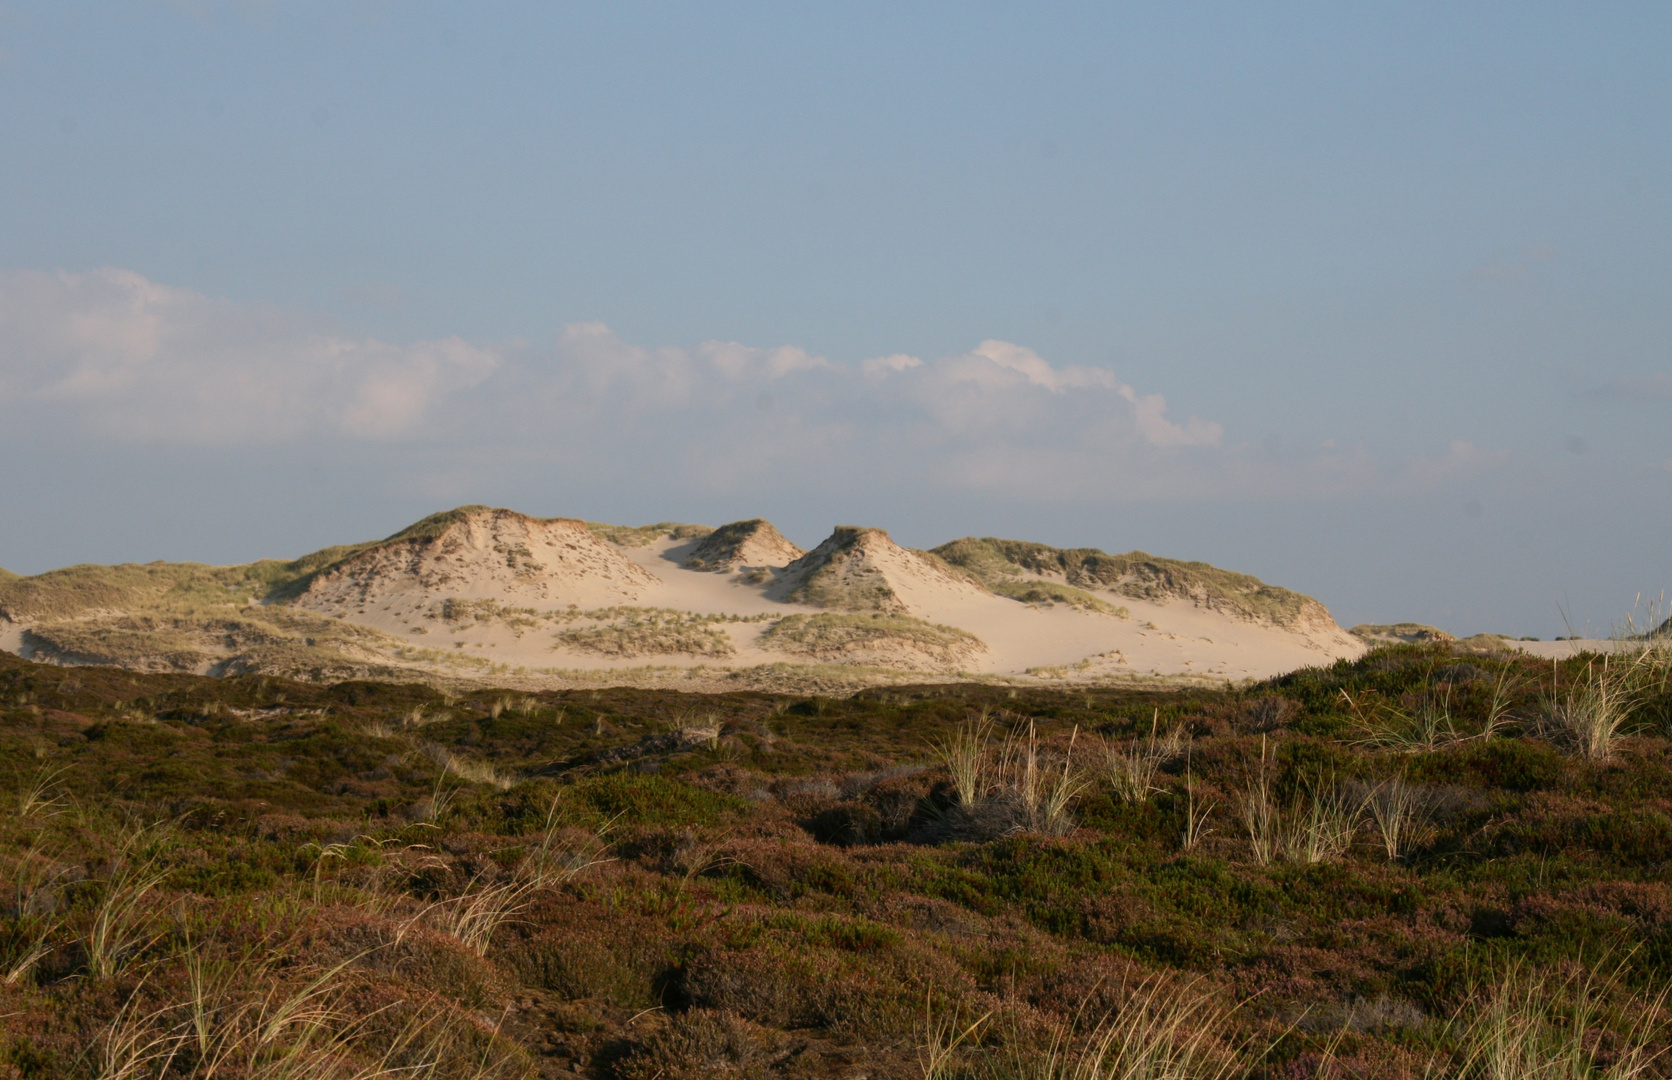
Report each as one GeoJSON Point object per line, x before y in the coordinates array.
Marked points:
{"type": "Point", "coordinates": [1530, 1026]}
{"type": "Point", "coordinates": [1131, 769]}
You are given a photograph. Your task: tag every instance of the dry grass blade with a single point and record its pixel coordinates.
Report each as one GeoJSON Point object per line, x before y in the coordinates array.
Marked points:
{"type": "Point", "coordinates": [1195, 819]}
{"type": "Point", "coordinates": [965, 756]}
{"type": "Point", "coordinates": [39, 796]}
{"type": "Point", "coordinates": [1131, 769]}
{"type": "Point", "coordinates": [131, 1046]}
{"type": "Point", "coordinates": [36, 948]}
{"type": "Point", "coordinates": [118, 927]}
{"type": "Point", "coordinates": [1397, 810]}
{"type": "Point", "coordinates": [1504, 691]}
{"type": "Point", "coordinates": [1260, 814]}
{"type": "Point", "coordinates": [1061, 786]}
{"type": "Point", "coordinates": [941, 1040]}
{"type": "Point", "coordinates": [551, 863]}
{"type": "Point", "coordinates": [1521, 1031]}
{"type": "Point", "coordinates": [1588, 717]}
{"type": "Point", "coordinates": [473, 917]}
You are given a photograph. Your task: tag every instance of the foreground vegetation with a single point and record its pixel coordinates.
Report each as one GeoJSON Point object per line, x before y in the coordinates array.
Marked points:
{"type": "Point", "coordinates": [1419, 864]}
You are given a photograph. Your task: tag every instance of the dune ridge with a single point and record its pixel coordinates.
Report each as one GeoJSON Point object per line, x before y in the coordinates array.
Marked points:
{"type": "Point", "coordinates": [480, 593]}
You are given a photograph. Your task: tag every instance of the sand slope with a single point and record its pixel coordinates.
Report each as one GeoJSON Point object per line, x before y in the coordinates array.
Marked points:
{"type": "Point", "coordinates": [490, 554]}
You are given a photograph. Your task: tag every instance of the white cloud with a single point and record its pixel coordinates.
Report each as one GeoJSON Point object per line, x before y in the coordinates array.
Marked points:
{"type": "Point", "coordinates": [879, 367]}
{"type": "Point", "coordinates": [132, 358]}
{"type": "Point", "coordinates": [111, 354]}
{"type": "Point", "coordinates": [1461, 460]}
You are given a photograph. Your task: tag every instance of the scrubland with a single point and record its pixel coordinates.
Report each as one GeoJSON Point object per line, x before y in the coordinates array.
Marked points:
{"type": "Point", "coordinates": [1420, 863]}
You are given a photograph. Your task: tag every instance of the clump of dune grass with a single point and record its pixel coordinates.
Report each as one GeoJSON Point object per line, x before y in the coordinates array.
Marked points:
{"type": "Point", "coordinates": [1167, 1028]}
{"type": "Point", "coordinates": [964, 754]}
{"type": "Point", "coordinates": [1131, 769]}
{"type": "Point", "coordinates": [629, 632]}
{"type": "Point", "coordinates": [1326, 823]}
{"type": "Point", "coordinates": [1195, 817]}
{"type": "Point", "coordinates": [942, 1039]}
{"type": "Point", "coordinates": [1013, 784]}
{"type": "Point", "coordinates": [1588, 715]}
{"type": "Point", "coordinates": [1134, 574]}
{"type": "Point", "coordinates": [1319, 824]}
{"type": "Point", "coordinates": [553, 861]}
{"type": "Point", "coordinates": [1398, 812]}
{"type": "Point", "coordinates": [40, 796]}
{"type": "Point", "coordinates": [834, 636]}
{"type": "Point", "coordinates": [121, 924]}
{"type": "Point", "coordinates": [471, 770]}
{"type": "Point", "coordinates": [242, 1018]}
{"type": "Point", "coordinates": [1049, 593]}
{"type": "Point", "coordinates": [1044, 784]}
{"type": "Point", "coordinates": [473, 916]}
{"type": "Point", "coordinates": [1420, 726]}
{"type": "Point", "coordinates": [1529, 1026]}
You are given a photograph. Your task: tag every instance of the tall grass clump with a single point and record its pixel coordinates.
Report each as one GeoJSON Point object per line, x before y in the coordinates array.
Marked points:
{"type": "Point", "coordinates": [1420, 726]}
{"type": "Point", "coordinates": [1319, 824]}
{"type": "Point", "coordinates": [1195, 818]}
{"type": "Point", "coordinates": [964, 754]}
{"type": "Point", "coordinates": [1326, 822]}
{"type": "Point", "coordinates": [1531, 1027]}
{"type": "Point", "coordinates": [1168, 1029]}
{"type": "Point", "coordinates": [473, 917]}
{"type": "Point", "coordinates": [1131, 769]}
{"type": "Point", "coordinates": [120, 926]}
{"type": "Point", "coordinates": [1588, 716]}
{"type": "Point", "coordinates": [1398, 811]}
{"type": "Point", "coordinates": [469, 769]}
{"type": "Point", "coordinates": [1019, 785]}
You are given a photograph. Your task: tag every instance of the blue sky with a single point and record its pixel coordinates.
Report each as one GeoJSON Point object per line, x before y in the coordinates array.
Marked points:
{"type": "Point", "coordinates": [1369, 300]}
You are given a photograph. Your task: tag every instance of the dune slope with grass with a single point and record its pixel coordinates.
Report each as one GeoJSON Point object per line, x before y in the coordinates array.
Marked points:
{"type": "Point", "coordinates": [479, 592]}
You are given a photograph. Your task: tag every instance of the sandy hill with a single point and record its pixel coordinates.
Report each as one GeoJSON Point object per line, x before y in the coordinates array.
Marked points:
{"type": "Point", "coordinates": [477, 553]}
{"type": "Point", "coordinates": [743, 545]}
{"type": "Point", "coordinates": [858, 569]}
{"type": "Point", "coordinates": [484, 593]}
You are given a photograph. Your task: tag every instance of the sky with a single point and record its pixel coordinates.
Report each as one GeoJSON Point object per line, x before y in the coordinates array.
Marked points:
{"type": "Point", "coordinates": [1373, 301]}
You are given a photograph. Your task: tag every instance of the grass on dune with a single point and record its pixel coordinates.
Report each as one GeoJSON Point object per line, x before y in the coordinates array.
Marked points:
{"type": "Point", "coordinates": [832, 636]}
{"type": "Point", "coordinates": [1135, 574]}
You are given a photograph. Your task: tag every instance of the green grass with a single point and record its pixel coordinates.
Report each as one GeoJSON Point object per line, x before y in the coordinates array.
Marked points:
{"type": "Point", "coordinates": [1136, 575]}
{"type": "Point", "coordinates": [1049, 593]}
{"type": "Point", "coordinates": [831, 636]}
{"type": "Point", "coordinates": [641, 535]}
{"type": "Point", "coordinates": [634, 632]}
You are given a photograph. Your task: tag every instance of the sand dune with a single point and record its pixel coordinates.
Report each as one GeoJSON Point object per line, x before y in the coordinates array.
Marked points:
{"type": "Point", "coordinates": [486, 590]}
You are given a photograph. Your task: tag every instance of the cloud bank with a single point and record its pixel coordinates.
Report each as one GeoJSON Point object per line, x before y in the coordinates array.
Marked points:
{"type": "Point", "coordinates": [113, 356]}
{"type": "Point", "coordinates": [122, 356]}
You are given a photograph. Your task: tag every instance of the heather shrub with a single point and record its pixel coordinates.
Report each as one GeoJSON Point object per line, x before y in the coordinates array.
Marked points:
{"type": "Point", "coordinates": [702, 1044]}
